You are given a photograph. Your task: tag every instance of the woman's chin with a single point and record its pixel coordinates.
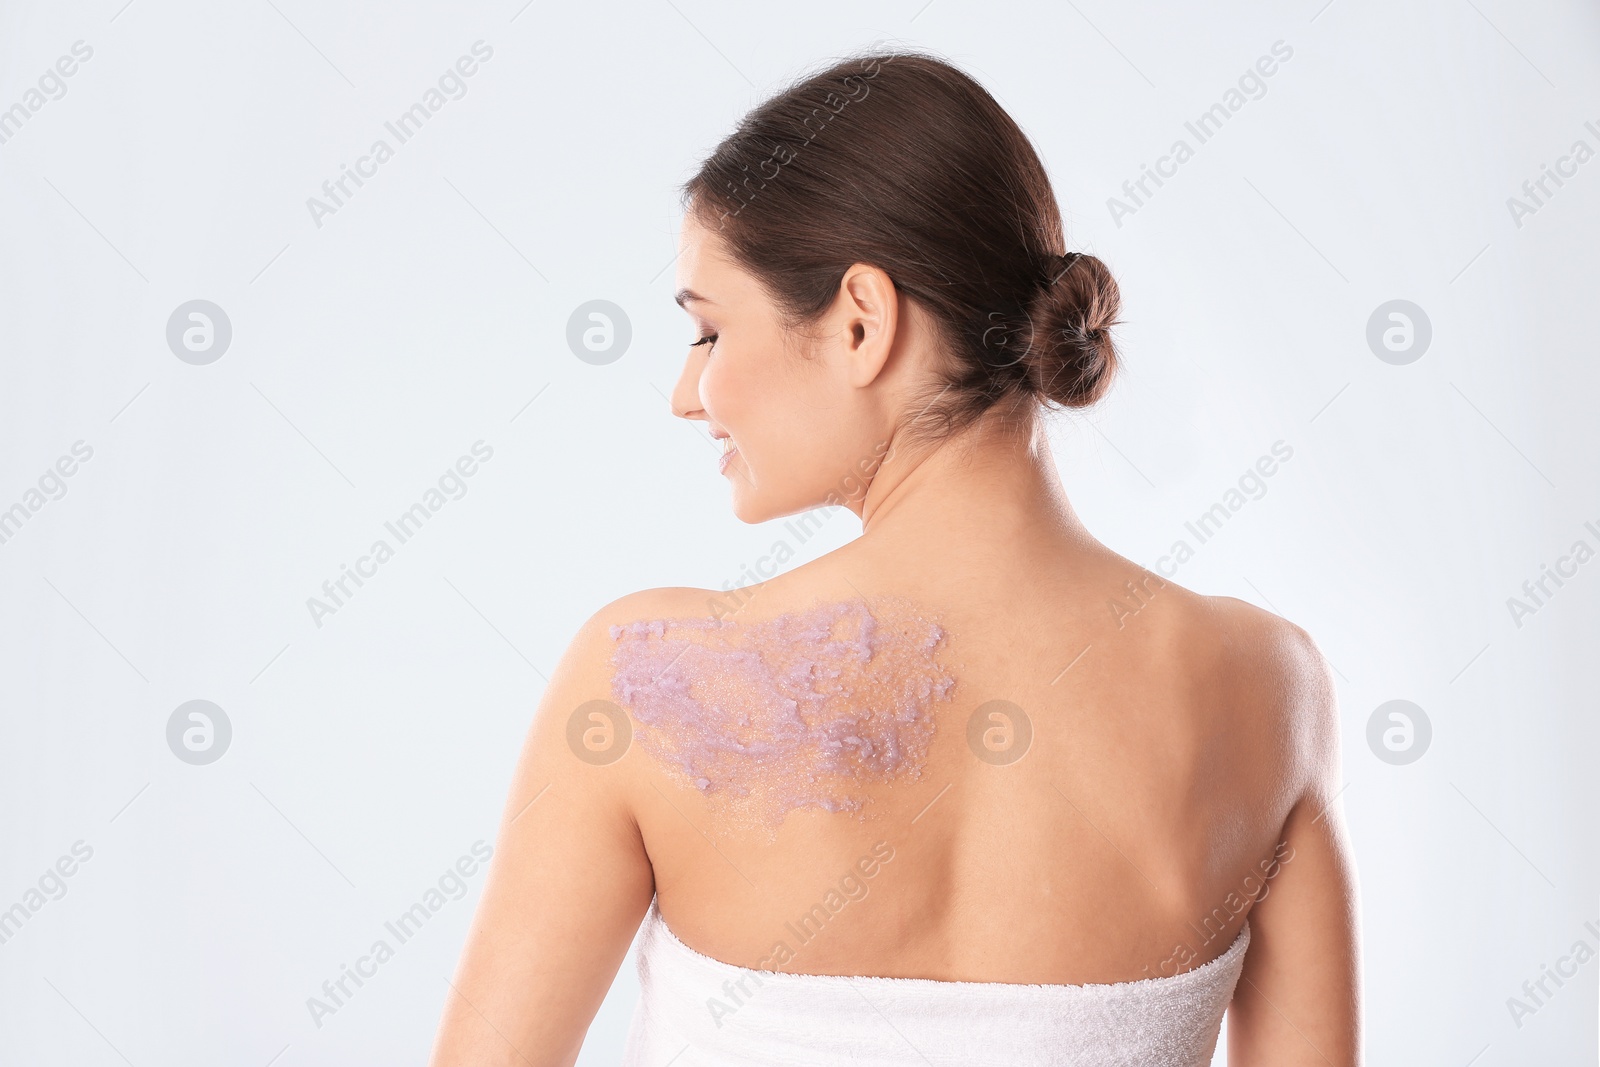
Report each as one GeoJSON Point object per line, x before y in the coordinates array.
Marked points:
{"type": "Point", "coordinates": [750, 511]}
{"type": "Point", "coordinates": [750, 506]}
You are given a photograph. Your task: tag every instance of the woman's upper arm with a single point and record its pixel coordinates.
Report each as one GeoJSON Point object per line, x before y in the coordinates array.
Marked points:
{"type": "Point", "coordinates": [1298, 998]}
{"type": "Point", "coordinates": [566, 889]}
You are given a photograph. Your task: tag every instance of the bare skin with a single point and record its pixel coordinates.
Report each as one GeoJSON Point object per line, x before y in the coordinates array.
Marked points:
{"type": "Point", "coordinates": [1181, 778]}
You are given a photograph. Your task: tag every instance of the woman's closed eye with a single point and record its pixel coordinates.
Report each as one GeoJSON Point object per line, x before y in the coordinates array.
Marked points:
{"type": "Point", "coordinates": [709, 339]}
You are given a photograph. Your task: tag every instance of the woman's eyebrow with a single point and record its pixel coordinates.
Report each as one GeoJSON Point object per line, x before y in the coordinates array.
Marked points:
{"type": "Point", "coordinates": [685, 295]}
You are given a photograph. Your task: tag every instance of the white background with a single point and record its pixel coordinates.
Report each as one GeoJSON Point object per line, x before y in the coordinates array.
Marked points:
{"type": "Point", "coordinates": [369, 753]}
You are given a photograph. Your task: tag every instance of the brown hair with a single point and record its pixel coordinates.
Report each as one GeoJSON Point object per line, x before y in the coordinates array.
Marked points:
{"type": "Point", "coordinates": [901, 161]}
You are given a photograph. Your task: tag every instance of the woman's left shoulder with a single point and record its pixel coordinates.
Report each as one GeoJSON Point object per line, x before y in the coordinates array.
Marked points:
{"type": "Point", "coordinates": [1279, 678]}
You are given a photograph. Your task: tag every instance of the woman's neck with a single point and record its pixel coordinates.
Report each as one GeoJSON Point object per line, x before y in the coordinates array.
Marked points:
{"type": "Point", "coordinates": [994, 482]}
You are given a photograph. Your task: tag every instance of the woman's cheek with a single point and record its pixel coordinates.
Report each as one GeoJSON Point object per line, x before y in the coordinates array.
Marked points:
{"type": "Point", "coordinates": [723, 393]}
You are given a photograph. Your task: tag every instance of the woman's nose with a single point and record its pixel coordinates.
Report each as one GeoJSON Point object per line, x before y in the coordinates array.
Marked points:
{"type": "Point", "coordinates": [686, 394]}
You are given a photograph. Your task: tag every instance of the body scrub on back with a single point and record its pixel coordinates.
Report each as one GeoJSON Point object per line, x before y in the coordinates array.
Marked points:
{"type": "Point", "coordinates": [800, 710]}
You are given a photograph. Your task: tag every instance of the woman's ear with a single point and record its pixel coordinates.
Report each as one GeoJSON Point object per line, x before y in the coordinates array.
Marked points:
{"type": "Point", "coordinates": [867, 310]}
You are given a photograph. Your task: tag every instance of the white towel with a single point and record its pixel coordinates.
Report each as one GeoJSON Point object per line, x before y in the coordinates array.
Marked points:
{"type": "Point", "coordinates": [695, 1011]}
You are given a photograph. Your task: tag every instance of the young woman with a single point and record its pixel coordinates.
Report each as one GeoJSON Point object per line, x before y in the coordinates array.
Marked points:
{"type": "Point", "coordinates": [971, 789]}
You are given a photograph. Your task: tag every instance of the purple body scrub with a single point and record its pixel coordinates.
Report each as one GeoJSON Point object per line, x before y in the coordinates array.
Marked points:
{"type": "Point", "coordinates": [800, 710]}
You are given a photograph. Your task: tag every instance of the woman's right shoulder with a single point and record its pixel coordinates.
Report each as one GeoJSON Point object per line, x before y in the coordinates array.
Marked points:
{"type": "Point", "coordinates": [578, 709]}
{"type": "Point", "coordinates": [662, 604]}
{"type": "Point", "coordinates": [588, 656]}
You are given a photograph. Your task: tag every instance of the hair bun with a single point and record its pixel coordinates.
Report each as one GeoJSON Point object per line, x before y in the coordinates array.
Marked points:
{"type": "Point", "coordinates": [1072, 358]}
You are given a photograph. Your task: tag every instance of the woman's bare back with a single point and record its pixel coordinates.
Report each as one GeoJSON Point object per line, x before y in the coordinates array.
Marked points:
{"type": "Point", "coordinates": [792, 808]}
{"type": "Point", "coordinates": [1090, 771]}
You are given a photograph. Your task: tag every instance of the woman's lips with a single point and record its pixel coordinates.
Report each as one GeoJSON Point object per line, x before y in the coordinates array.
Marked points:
{"type": "Point", "coordinates": [726, 458]}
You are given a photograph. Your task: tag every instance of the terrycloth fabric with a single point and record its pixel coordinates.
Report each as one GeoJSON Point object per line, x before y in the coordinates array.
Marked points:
{"type": "Point", "coordinates": [695, 1011]}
